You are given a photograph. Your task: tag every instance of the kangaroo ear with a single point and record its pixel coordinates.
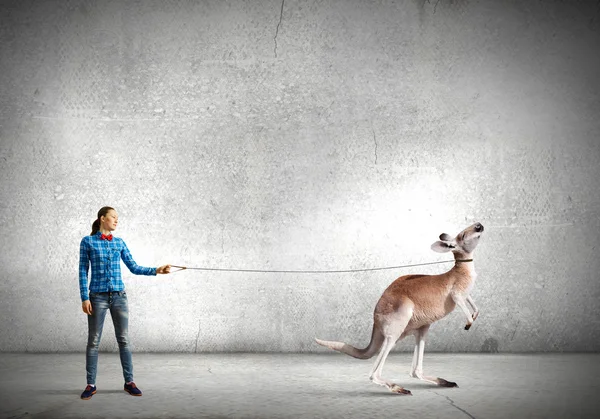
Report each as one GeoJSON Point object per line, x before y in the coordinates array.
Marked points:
{"type": "Point", "coordinates": [443, 246]}
{"type": "Point", "coordinates": [446, 237]}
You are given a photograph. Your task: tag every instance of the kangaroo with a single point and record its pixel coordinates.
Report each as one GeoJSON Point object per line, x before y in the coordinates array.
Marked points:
{"type": "Point", "coordinates": [413, 302]}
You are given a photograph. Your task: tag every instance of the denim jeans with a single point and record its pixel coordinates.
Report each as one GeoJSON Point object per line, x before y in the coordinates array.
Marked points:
{"type": "Point", "coordinates": [116, 302]}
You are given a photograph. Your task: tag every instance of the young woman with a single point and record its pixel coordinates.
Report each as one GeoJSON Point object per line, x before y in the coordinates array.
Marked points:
{"type": "Point", "coordinates": [104, 253]}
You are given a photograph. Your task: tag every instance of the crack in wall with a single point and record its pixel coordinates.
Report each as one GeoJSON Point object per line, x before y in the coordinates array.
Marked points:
{"type": "Point", "coordinates": [277, 29]}
{"type": "Point", "coordinates": [223, 238]}
{"type": "Point", "coordinates": [375, 141]}
{"type": "Point", "coordinates": [453, 404]}
{"type": "Point", "coordinates": [515, 331]}
{"type": "Point", "coordinates": [197, 337]}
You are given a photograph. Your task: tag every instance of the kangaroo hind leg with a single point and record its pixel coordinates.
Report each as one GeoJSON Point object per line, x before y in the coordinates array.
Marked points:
{"type": "Point", "coordinates": [392, 327]}
{"type": "Point", "coordinates": [417, 366]}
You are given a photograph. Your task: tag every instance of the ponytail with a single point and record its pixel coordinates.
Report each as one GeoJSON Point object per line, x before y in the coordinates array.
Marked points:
{"type": "Point", "coordinates": [96, 224]}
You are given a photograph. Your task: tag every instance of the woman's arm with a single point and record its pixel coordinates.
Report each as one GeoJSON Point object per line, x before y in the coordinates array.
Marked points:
{"type": "Point", "coordinates": [141, 270]}
{"type": "Point", "coordinates": [84, 265]}
{"type": "Point", "coordinates": [132, 266]}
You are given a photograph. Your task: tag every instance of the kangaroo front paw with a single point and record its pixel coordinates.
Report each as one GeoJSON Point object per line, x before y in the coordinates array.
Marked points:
{"type": "Point", "coordinates": [395, 388]}
{"type": "Point", "coordinates": [475, 315]}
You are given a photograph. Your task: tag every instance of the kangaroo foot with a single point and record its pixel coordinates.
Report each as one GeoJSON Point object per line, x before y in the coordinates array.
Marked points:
{"type": "Point", "coordinates": [444, 383]}
{"type": "Point", "coordinates": [395, 388]}
{"type": "Point", "coordinates": [468, 326]}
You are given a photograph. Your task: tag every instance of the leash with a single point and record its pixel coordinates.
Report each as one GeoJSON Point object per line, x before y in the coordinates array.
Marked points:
{"type": "Point", "coordinates": [181, 268]}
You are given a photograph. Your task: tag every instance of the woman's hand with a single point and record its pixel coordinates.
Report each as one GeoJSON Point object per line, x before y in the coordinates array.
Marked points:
{"type": "Point", "coordinates": [165, 269]}
{"type": "Point", "coordinates": [87, 307]}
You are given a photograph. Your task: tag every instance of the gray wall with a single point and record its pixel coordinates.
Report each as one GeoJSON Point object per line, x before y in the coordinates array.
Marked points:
{"type": "Point", "coordinates": [300, 135]}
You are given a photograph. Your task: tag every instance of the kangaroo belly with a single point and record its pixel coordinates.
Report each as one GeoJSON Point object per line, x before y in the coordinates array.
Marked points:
{"type": "Point", "coordinates": [430, 311]}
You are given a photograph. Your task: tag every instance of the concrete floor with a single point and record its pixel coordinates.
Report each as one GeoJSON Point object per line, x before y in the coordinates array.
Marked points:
{"type": "Point", "coordinates": [301, 385]}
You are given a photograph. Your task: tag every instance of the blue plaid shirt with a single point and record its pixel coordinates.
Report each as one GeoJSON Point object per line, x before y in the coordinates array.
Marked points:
{"type": "Point", "coordinates": [105, 257]}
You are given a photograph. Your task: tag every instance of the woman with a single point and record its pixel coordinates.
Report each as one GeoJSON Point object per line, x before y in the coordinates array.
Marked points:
{"type": "Point", "coordinates": [104, 252]}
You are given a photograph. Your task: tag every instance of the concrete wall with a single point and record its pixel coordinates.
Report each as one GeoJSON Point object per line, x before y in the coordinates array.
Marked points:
{"type": "Point", "coordinates": [300, 135]}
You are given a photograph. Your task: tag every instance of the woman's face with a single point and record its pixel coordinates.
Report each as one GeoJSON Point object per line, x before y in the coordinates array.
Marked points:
{"type": "Point", "coordinates": [110, 220]}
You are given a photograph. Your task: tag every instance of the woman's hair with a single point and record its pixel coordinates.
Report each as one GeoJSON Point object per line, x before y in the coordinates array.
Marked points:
{"type": "Point", "coordinates": [96, 223]}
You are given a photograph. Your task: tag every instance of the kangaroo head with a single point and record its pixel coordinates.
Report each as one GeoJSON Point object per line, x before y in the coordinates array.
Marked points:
{"type": "Point", "coordinates": [463, 244]}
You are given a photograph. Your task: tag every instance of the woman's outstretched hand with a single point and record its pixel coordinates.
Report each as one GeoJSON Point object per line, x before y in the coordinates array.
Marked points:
{"type": "Point", "coordinates": [165, 269]}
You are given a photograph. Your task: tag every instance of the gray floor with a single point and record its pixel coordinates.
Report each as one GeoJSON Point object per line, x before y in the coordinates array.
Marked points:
{"type": "Point", "coordinates": [301, 385]}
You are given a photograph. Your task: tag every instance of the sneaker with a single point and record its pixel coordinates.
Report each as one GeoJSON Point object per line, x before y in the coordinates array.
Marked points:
{"type": "Point", "coordinates": [88, 392]}
{"type": "Point", "coordinates": [132, 389]}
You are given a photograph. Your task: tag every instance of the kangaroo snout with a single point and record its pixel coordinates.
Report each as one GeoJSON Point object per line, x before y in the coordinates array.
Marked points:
{"type": "Point", "coordinates": [478, 227]}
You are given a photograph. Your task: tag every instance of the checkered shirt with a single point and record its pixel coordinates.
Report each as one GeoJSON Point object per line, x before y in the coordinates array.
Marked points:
{"type": "Point", "coordinates": [105, 256]}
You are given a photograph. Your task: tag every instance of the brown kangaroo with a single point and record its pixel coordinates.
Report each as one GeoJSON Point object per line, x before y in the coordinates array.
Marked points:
{"type": "Point", "coordinates": [413, 302]}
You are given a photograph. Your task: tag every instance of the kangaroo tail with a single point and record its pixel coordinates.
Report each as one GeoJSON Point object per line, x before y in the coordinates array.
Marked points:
{"type": "Point", "coordinates": [366, 353]}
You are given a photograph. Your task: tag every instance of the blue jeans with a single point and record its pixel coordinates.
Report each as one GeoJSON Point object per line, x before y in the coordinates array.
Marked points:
{"type": "Point", "coordinates": [116, 302]}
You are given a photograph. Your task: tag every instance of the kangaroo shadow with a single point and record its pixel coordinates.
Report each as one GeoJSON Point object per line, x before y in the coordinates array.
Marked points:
{"type": "Point", "coordinates": [382, 392]}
